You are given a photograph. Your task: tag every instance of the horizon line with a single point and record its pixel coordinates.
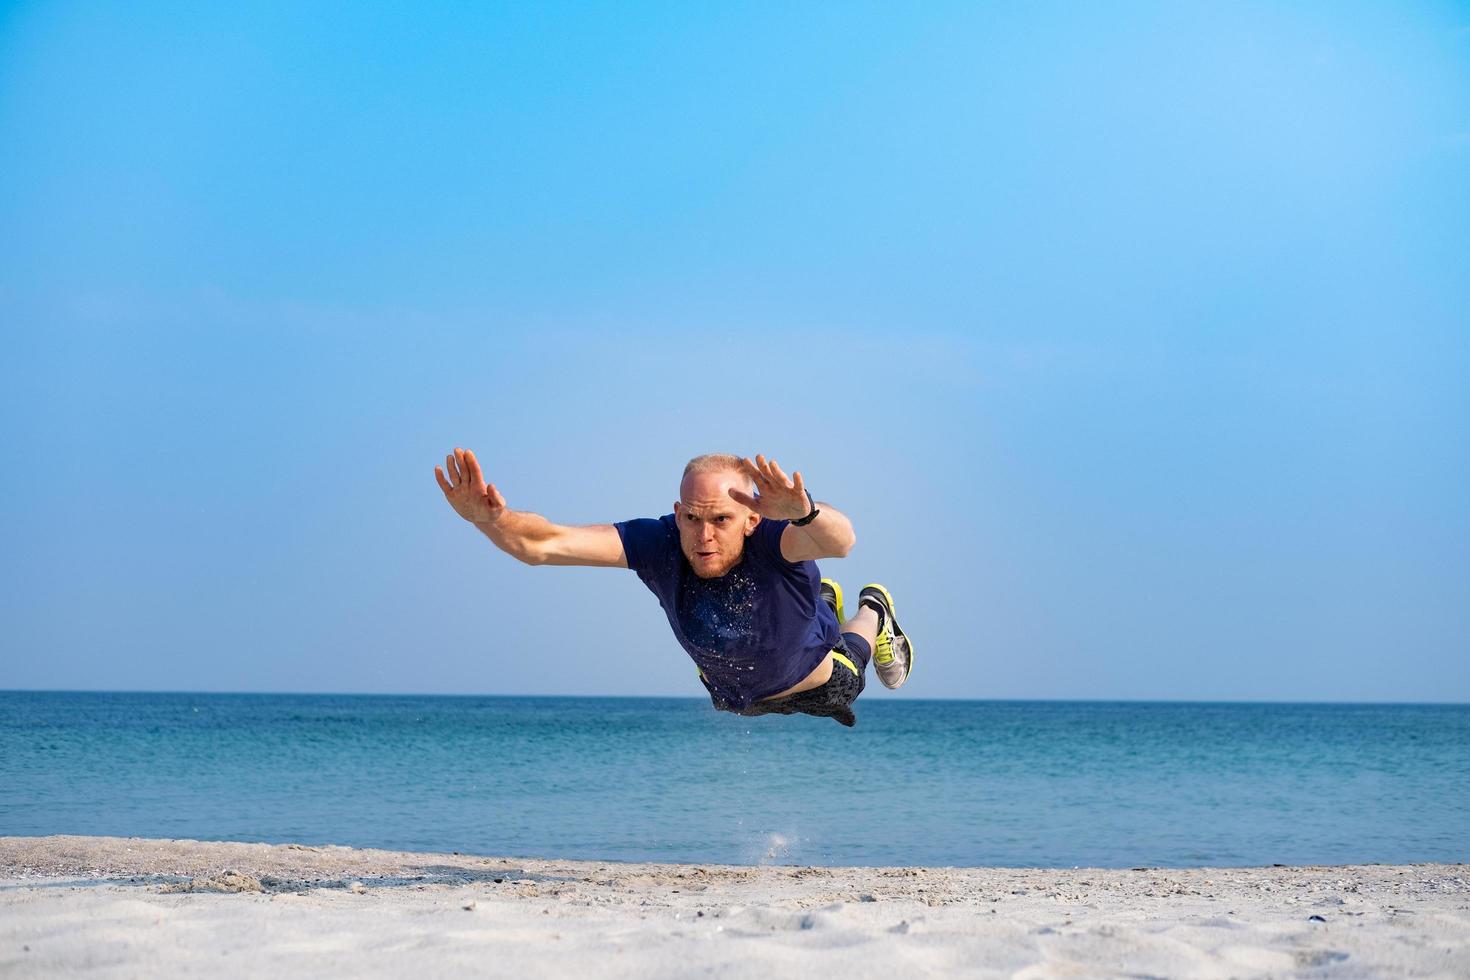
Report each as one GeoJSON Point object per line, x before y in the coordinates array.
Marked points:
{"type": "Point", "coordinates": [696, 698]}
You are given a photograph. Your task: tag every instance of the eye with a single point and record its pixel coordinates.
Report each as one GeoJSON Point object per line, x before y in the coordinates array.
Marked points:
{"type": "Point", "coordinates": [721, 519]}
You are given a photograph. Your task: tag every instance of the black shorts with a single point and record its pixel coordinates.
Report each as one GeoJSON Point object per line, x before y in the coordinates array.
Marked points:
{"type": "Point", "coordinates": [832, 700]}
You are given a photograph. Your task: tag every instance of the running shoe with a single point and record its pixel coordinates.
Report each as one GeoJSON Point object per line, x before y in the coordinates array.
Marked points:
{"type": "Point", "coordinates": [832, 596]}
{"type": "Point", "coordinates": [893, 652]}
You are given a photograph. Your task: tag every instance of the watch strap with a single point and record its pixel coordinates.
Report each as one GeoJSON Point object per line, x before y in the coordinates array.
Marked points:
{"type": "Point", "coordinates": [804, 521]}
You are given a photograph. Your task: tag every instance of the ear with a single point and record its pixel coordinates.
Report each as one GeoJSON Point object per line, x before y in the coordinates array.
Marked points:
{"type": "Point", "coordinates": [678, 510]}
{"type": "Point", "coordinates": [751, 521]}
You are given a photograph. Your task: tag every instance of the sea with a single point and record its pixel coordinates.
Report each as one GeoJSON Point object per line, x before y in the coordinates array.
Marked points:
{"type": "Point", "coordinates": [947, 783]}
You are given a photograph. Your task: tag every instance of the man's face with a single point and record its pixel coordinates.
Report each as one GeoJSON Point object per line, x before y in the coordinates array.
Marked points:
{"type": "Point", "coordinates": [712, 526]}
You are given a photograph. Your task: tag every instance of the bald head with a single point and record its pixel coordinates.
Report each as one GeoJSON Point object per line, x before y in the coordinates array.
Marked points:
{"type": "Point", "coordinates": [719, 463]}
{"type": "Point", "coordinates": [712, 525]}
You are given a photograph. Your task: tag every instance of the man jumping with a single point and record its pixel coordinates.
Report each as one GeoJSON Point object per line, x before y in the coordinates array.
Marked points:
{"type": "Point", "coordinates": [734, 567]}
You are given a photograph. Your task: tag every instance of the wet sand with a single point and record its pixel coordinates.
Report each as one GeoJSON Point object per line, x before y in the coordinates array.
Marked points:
{"type": "Point", "coordinates": [104, 906]}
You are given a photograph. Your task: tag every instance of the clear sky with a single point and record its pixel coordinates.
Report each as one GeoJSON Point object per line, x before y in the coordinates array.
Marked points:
{"type": "Point", "coordinates": [1135, 338]}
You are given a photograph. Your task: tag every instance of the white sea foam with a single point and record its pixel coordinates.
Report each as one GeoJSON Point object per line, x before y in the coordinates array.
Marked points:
{"type": "Point", "coordinates": [775, 848]}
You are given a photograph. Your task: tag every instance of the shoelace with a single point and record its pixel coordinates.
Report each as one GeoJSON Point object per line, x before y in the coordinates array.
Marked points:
{"type": "Point", "coordinates": [883, 646]}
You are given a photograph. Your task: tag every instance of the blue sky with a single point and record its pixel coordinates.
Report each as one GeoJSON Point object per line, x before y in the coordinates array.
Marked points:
{"type": "Point", "coordinates": [1133, 337]}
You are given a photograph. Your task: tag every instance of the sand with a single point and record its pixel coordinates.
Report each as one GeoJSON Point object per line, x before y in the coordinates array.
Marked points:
{"type": "Point", "coordinates": [105, 906]}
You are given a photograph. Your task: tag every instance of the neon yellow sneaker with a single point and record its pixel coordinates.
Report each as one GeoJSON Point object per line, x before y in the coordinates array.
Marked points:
{"type": "Point", "coordinates": [893, 652]}
{"type": "Point", "coordinates": [832, 596]}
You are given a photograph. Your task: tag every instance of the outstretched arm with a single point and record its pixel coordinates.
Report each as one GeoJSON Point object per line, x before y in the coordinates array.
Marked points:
{"type": "Point", "coordinates": [830, 535]}
{"type": "Point", "coordinates": [524, 536]}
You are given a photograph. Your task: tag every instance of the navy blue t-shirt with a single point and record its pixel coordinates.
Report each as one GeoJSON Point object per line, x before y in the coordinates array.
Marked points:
{"type": "Point", "coordinates": [754, 631]}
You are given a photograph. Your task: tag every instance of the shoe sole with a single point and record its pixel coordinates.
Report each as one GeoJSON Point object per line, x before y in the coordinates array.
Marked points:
{"type": "Point", "coordinates": [898, 632]}
{"type": "Point", "coordinates": [837, 591]}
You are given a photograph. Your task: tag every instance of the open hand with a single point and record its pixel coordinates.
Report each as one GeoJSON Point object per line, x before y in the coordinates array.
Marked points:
{"type": "Point", "coordinates": [778, 497]}
{"type": "Point", "coordinates": [466, 490]}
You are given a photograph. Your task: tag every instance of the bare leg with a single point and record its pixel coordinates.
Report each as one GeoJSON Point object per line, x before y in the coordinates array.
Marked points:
{"type": "Point", "coordinates": [864, 624]}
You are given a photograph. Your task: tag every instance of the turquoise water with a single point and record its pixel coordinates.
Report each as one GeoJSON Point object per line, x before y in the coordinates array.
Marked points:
{"type": "Point", "coordinates": [935, 783]}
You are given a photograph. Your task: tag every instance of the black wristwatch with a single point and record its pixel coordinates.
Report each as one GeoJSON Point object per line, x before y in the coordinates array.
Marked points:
{"type": "Point", "coordinates": [803, 522]}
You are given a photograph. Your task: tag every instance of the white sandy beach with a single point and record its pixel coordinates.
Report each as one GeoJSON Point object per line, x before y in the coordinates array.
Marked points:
{"type": "Point", "coordinates": [102, 906]}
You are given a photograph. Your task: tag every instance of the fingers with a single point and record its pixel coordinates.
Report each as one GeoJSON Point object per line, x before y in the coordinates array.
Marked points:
{"type": "Point", "coordinates": [464, 466]}
{"type": "Point", "coordinates": [451, 469]}
{"type": "Point", "coordinates": [800, 485]}
{"type": "Point", "coordinates": [493, 497]}
{"type": "Point", "coordinates": [472, 471]}
{"type": "Point", "coordinates": [767, 473]}
{"type": "Point", "coordinates": [443, 483]}
{"type": "Point", "coordinates": [741, 497]}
